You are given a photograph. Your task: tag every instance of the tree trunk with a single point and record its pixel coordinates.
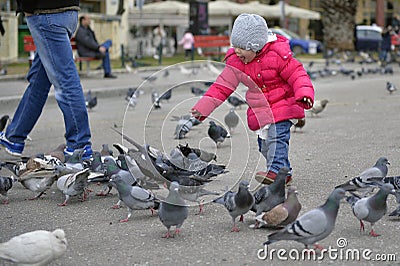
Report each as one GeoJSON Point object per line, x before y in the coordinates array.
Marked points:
{"type": "Point", "coordinates": [338, 18]}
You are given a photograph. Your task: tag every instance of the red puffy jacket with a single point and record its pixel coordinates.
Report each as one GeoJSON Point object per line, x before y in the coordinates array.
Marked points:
{"type": "Point", "coordinates": [275, 81]}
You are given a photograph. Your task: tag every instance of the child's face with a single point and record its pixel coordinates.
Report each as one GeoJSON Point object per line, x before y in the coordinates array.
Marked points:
{"type": "Point", "coordinates": [246, 56]}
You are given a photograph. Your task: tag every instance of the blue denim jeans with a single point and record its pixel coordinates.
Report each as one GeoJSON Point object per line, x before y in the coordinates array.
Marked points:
{"type": "Point", "coordinates": [275, 148]}
{"type": "Point", "coordinates": [53, 65]}
{"type": "Point", "coordinates": [106, 59]}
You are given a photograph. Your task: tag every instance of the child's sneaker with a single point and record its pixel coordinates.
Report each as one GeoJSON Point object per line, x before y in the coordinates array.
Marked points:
{"type": "Point", "coordinates": [87, 154]}
{"type": "Point", "coordinates": [12, 148]}
{"type": "Point", "coordinates": [269, 178]}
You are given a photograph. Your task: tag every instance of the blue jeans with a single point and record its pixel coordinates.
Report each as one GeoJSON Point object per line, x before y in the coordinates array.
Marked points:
{"type": "Point", "coordinates": [106, 59]}
{"type": "Point", "coordinates": [275, 148]}
{"type": "Point", "coordinates": [53, 65]}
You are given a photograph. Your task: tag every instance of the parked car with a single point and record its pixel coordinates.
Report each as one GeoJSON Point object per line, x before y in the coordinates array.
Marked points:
{"type": "Point", "coordinates": [368, 38]}
{"type": "Point", "coordinates": [297, 44]}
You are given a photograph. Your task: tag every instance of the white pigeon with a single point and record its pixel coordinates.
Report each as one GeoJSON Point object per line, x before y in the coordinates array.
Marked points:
{"type": "Point", "coordinates": [34, 248]}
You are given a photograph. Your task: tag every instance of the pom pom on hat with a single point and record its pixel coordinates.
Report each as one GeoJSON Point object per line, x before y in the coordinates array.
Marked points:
{"type": "Point", "coordinates": [249, 32]}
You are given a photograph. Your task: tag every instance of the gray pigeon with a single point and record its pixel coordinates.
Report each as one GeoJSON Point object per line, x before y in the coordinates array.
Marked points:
{"type": "Point", "coordinates": [217, 133]}
{"type": "Point", "coordinates": [134, 197]}
{"type": "Point", "coordinates": [313, 225]}
{"type": "Point", "coordinates": [75, 184]}
{"type": "Point", "coordinates": [318, 107]}
{"type": "Point", "coordinates": [390, 87]}
{"type": "Point", "coordinates": [231, 120]}
{"type": "Point", "coordinates": [371, 209]}
{"type": "Point", "coordinates": [90, 101]}
{"type": "Point", "coordinates": [173, 211]}
{"type": "Point", "coordinates": [282, 214]}
{"type": "Point", "coordinates": [34, 248]}
{"type": "Point", "coordinates": [267, 197]}
{"type": "Point", "coordinates": [237, 203]}
{"type": "Point", "coordinates": [6, 184]}
{"type": "Point", "coordinates": [183, 127]}
{"type": "Point", "coordinates": [366, 181]}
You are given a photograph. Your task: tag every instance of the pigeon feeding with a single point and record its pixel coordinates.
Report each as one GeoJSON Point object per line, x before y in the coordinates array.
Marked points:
{"type": "Point", "coordinates": [282, 214]}
{"type": "Point", "coordinates": [34, 248]}
{"type": "Point", "coordinates": [217, 133]}
{"type": "Point", "coordinates": [390, 87]}
{"type": "Point", "coordinates": [173, 211]}
{"type": "Point", "coordinates": [75, 184]}
{"type": "Point", "coordinates": [318, 107]}
{"type": "Point", "coordinates": [300, 124]}
{"type": "Point", "coordinates": [366, 181]}
{"type": "Point", "coordinates": [90, 101]}
{"type": "Point", "coordinates": [371, 209]}
{"type": "Point", "coordinates": [231, 120]}
{"type": "Point", "coordinates": [237, 203]}
{"type": "Point", "coordinates": [236, 101]}
{"type": "Point", "coordinates": [267, 197]}
{"type": "Point", "coordinates": [3, 122]}
{"type": "Point", "coordinates": [313, 225]}
{"type": "Point", "coordinates": [134, 197]}
{"type": "Point", "coordinates": [6, 184]}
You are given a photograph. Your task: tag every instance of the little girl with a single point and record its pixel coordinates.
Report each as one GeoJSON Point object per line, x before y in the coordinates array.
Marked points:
{"type": "Point", "coordinates": [279, 89]}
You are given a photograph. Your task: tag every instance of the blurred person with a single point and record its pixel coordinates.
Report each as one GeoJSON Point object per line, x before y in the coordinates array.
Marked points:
{"type": "Point", "coordinates": [159, 36]}
{"type": "Point", "coordinates": [187, 43]}
{"type": "Point", "coordinates": [386, 44]}
{"type": "Point", "coordinates": [88, 45]}
{"type": "Point", "coordinates": [51, 24]}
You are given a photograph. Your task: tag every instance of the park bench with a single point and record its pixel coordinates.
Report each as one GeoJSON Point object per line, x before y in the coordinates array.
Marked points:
{"type": "Point", "coordinates": [29, 46]}
{"type": "Point", "coordinates": [211, 45]}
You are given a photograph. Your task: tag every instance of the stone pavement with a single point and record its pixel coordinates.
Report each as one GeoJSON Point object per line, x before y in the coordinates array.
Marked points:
{"type": "Point", "coordinates": [360, 124]}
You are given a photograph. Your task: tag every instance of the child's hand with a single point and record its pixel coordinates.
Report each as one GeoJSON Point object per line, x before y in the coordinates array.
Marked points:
{"type": "Point", "coordinates": [305, 102]}
{"type": "Point", "coordinates": [196, 114]}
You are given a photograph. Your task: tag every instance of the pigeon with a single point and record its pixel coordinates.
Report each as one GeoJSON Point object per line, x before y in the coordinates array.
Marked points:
{"type": "Point", "coordinates": [202, 154]}
{"type": "Point", "coordinates": [166, 95]}
{"type": "Point", "coordinates": [282, 214]}
{"type": "Point", "coordinates": [173, 211]}
{"type": "Point", "coordinates": [236, 101]}
{"type": "Point", "coordinates": [182, 128]}
{"type": "Point", "coordinates": [371, 209]}
{"type": "Point", "coordinates": [34, 248]}
{"type": "Point", "coordinates": [90, 101]}
{"type": "Point", "coordinates": [217, 133]}
{"type": "Point", "coordinates": [267, 197]}
{"type": "Point", "coordinates": [197, 91]}
{"type": "Point", "coordinates": [366, 181]}
{"type": "Point", "coordinates": [318, 107]}
{"type": "Point", "coordinates": [131, 97]}
{"type": "Point", "coordinates": [390, 87]}
{"type": "Point", "coordinates": [155, 99]}
{"type": "Point", "coordinates": [395, 181]}
{"type": "Point", "coordinates": [74, 185]}
{"type": "Point", "coordinates": [237, 203]}
{"type": "Point", "coordinates": [3, 122]}
{"type": "Point", "coordinates": [74, 161]}
{"type": "Point", "coordinates": [313, 225]}
{"type": "Point", "coordinates": [299, 124]}
{"type": "Point", "coordinates": [231, 120]}
{"type": "Point", "coordinates": [134, 197]}
{"type": "Point", "coordinates": [105, 151]}
{"type": "Point", "coordinates": [6, 184]}
{"type": "Point", "coordinates": [40, 174]}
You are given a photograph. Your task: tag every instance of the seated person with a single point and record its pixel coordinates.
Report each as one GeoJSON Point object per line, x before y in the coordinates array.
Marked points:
{"type": "Point", "coordinates": [89, 47]}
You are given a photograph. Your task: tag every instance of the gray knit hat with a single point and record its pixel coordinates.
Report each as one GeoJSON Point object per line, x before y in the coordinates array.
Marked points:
{"type": "Point", "coordinates": [249, 32]}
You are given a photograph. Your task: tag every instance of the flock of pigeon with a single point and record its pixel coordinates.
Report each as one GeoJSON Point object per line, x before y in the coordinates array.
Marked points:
{"type": "Point", "coordinates": [185, 172]}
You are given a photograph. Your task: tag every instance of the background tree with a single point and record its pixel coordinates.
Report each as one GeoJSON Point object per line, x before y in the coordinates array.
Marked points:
{"type": "Point", "coordinates": [338, 18]}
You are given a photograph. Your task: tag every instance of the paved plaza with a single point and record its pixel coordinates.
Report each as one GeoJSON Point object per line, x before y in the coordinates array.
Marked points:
{"type": "Point", "coordinates": [360, 124]}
